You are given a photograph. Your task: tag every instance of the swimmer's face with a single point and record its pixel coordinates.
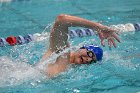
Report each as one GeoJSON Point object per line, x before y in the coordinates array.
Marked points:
{"type": "Point", "coordinates": [83, 56]}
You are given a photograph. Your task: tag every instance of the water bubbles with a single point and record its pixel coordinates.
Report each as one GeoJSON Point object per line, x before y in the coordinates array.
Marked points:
{"type": "Point", "coordinates": [129, 27]}
{"type": "Point", "coordinates": [130, 49]}
{"type": "Point", "coordinates": [2, 1]}
{"type": "Point", "coordinates": [123, 27]}
{"type": "Point", "coordinates": [40, 37]}
{"type": "Point", "coordinates": [76, 90]}
{"type": "Point", "coordinates": [108, 18]}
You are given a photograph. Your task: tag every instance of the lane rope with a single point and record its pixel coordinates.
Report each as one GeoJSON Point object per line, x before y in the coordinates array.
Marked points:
{"type": "Point", "coordinates": [19, 40]}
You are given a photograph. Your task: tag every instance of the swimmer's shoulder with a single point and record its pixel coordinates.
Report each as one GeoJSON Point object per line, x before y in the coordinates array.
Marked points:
{"type": "Point", "coordinates": [46, 55]}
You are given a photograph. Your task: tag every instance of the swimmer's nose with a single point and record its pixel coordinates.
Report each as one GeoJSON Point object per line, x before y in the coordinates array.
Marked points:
{"type": "Point", "coordinates": [86, 60]}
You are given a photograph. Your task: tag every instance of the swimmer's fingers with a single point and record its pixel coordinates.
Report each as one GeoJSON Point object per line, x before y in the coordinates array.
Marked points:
{"type": "Point", "coordinates": [116, 37]}
{"type": "Point", "coordinates": [111, 42]}
{"type": "Point", "coordinates": [111, 39]}
{"type": "Point", "coordinates": [114, 44]}
{"type": "Point", "coordinates": [101, 38]}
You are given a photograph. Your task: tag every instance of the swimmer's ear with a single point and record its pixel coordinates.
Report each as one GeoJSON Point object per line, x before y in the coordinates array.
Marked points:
{"type": "Point", "coordinates": [82, 47]}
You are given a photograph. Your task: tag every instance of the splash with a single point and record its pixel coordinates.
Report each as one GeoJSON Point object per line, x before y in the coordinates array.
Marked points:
{"type": "Point", "coordinates": [15, 73]}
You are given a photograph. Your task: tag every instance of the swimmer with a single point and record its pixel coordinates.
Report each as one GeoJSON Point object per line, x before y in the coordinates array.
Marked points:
{"type": "Point", "coordinates": [86, 54]}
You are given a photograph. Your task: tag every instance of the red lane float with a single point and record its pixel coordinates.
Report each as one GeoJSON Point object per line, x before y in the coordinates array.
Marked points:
{"type": "Point", "coordinates": [11, 40]}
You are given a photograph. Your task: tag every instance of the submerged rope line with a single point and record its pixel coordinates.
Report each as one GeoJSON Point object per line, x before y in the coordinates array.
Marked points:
{"type": "Point", "coordinates": [132, 56]}
{"type": "Point", "coordinates": [128, 81]}
{"type": "Point", "coordinates": [26, 17]}
{"type": "Point", "coordinates": [85, 11]}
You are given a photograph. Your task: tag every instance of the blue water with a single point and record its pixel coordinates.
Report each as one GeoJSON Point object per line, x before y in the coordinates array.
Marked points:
{"type": "Point", "coordinates": [120, 68]}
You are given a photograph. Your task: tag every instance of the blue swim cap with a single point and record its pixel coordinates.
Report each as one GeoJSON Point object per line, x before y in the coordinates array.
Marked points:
{"type": "Point", "coordinates": [96, 50]}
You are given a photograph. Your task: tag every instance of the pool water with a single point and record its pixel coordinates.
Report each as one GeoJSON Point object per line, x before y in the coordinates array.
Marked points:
{"type": "Point", "coordinates": [119, 71]}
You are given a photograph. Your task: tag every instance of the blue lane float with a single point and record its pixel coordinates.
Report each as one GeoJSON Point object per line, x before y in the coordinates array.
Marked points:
{"type": "Point", "coordinates": [19, 40]}
{"type": "Point", "coordinates": [24, 39]}
{"type": "Point", "coordinates": [3, 42]}
{"type": "Point", "coordinates": [137, 26]}
{"type": "Point", "coordinates": [81, 33]}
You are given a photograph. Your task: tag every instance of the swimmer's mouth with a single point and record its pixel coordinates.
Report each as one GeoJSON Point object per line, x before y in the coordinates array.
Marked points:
{"type": "Point", "coordinates": [82, 60]}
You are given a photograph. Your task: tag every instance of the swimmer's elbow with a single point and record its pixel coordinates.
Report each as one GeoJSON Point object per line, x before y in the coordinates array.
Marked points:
{"type": "Point", "coordinates": [61, 18]}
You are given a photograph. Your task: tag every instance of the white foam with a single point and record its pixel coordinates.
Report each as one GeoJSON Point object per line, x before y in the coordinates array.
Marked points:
{"type": "Point", "coordinates": [15, 73]}
{"type": "Point", "coordinates": [40, 37]}
{"type": "Point", "coordinates": [123, 27]}
{"type": "Point", "coordinates": [5, 0]}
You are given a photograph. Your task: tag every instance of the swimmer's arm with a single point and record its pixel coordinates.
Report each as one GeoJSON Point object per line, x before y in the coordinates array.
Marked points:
{"type": "Point", "coordinates": [59, 32]}
{"type": "Point", "coordinates": [73, 21]}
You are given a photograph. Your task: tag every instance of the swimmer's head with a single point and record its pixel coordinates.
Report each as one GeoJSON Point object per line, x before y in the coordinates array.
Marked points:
{"type": "Point", "coordinates": [87, 54]}
{"type": "Point", "coordinates": [96, 50]}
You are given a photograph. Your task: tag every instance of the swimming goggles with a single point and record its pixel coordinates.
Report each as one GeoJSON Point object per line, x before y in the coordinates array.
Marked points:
{"type": "Point", "coordinates": [91, 55]}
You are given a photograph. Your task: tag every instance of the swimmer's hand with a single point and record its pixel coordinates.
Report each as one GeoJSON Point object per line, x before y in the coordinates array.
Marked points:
{"type": "Point", "coordinates": [109, 34]}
